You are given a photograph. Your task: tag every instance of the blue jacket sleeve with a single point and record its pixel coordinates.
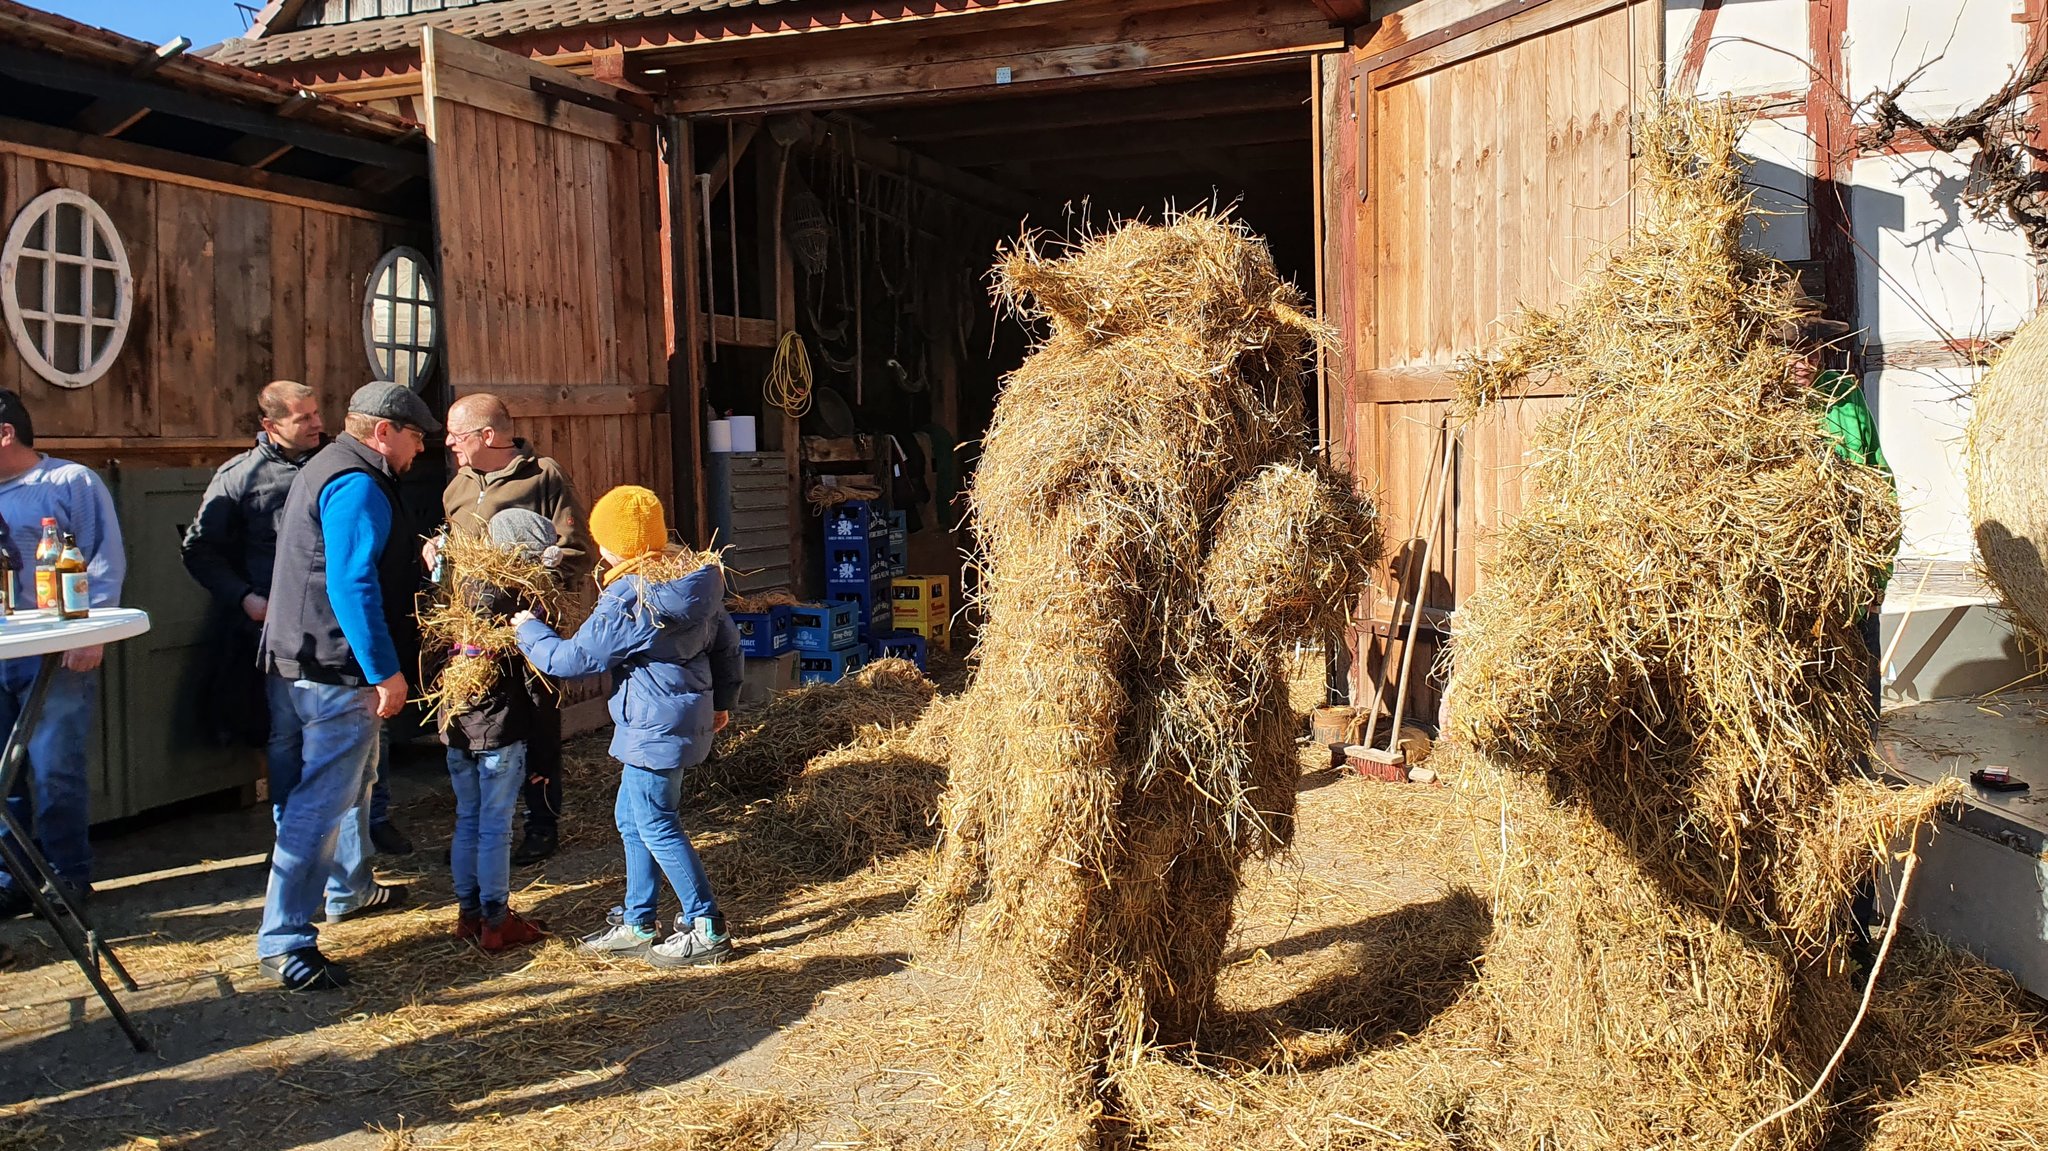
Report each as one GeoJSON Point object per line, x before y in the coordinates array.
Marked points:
{"type": "Point", "coordinates": [356, 519]}
{"type": "Point", "coordinates": [613, 634]}
{"type": "Point", "coordinates": [98, 531]}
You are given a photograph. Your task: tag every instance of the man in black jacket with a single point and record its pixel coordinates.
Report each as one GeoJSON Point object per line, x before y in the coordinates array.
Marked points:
{"type": "Point", "coordinates": [231, 548]}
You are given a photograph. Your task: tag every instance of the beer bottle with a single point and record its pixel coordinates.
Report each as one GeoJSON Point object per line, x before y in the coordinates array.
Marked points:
{"type": "Point", "coordinates": [47, 550]}
{"type": "Point", "coordinates": [10, 567]}
{"type": "Point", "coordinates": [73, 595]}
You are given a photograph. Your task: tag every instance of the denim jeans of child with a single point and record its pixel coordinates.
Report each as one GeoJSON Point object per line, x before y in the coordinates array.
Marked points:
{"type": "Point", "coordinates": [656, 845]}
{"type": "Point", "coordinates": [487, 787]}
{"type": "Point", "coordinates": [337, 752]}
{"type": "Point", "coordinates": [351, 878]}
{"type": "Point", "coordinates": [53, 798]}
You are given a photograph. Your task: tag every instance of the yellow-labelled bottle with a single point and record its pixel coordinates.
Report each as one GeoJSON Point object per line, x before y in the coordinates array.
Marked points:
{"type": "Point", "coordinates": [47, 551]}
{"type": "Point", "coordinates": [73, 593]}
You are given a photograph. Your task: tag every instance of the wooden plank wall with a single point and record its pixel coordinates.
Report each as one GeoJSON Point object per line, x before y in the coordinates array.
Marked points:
{"type": "Point", "coordinates": [550, 252]}
{"type": "Point", "coordinates": [550, 260]}
{"type": "Point", "coordinates": [231, 292]}
{"type": "Point", "coordinates": [1498, 169]}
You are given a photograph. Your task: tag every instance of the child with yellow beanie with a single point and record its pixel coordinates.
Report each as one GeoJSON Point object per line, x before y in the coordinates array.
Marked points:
{"type": "Point", "coordinates": [662, 628]}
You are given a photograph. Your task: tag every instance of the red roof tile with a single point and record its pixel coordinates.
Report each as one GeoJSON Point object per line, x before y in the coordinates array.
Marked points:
{"type": "Point", "coordinates": [482, 21]}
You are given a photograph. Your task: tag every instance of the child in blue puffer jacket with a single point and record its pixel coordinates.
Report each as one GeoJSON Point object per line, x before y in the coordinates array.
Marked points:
{"type": "Point", "coordinates": [661, 628]}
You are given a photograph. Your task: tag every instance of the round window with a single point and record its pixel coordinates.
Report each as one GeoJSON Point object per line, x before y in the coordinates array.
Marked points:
{"type": "Point", "coordinates": [66, 289]}
{"type": "Point", "coordinates": [399, 326]}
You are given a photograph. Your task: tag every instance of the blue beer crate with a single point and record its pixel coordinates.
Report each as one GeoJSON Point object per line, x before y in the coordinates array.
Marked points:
{"type": "Point", "coordinates": [829, 666]}
{"type": "Point", "coordinates": [765, 634]}
{"type": "Point", "coordinates": [854, 563]}
{"type": "Point", "coordinates": [876, 613]}
{"type": "Point", "coordinates": [855, 520]}
{"type": "Point", "coordinates": [820, 627]}
{"type": "Point", "coordinates": [902, 645]}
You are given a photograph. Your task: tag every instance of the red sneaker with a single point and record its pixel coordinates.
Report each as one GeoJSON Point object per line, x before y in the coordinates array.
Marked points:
{"type": "Point", "coordinates": [468, 927]}
{"type": "Point", "coordinates": [514, 931]}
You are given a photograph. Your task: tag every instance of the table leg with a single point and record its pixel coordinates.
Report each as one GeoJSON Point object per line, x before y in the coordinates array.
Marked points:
{"type": "Point", "coordinates": [34, 874]}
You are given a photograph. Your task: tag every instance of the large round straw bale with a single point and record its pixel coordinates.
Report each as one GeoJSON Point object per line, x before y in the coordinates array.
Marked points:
{"type": "Point", "coordinates": [2009, 475]}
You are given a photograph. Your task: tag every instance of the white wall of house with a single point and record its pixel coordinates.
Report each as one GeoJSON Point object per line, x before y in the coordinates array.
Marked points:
{"type": "Point", "coordinates": [1927, 270]}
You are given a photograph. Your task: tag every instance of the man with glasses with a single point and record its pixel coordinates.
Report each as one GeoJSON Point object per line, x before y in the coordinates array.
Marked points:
{"type": "Point", "coordinates": [494, 471]}
{"type": "Point", "coordinates": [343, 585]}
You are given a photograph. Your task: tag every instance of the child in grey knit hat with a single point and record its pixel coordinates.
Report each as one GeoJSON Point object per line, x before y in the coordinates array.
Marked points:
{"type": "Point", "coordinates": [487, 756]}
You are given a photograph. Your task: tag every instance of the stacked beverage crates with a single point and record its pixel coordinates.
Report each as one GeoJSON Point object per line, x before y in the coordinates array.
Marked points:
{"type": "Point", "coordinates": [857, 563]}
{"type": "Point", "coordinates": [922, 607]}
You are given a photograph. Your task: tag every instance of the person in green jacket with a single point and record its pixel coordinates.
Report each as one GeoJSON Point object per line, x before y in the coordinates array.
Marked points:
{"type": "Point", "coordinates": [1847, 417]}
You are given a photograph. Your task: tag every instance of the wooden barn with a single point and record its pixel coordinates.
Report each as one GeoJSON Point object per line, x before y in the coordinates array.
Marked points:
{"type": "Point", "coordinates": [179, 233]}
{"type": "Point", "coordinates": [1427, 167]}
{"type": "Point", "coordinates": [633, 202]}
{"type": "Point", "coordinates": [844, 172]}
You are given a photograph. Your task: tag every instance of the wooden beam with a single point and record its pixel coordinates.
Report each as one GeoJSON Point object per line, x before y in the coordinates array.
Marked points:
{"type": "Point", "coordinates": [743, 135]}
{"type": "Point", "coordinates": [108, 117]}
{"type": "Point", "coordinates": [68, 76]}
{"type": "Point", "coordinates": [741, 331]}
{"type": "Point", "coordinates": [64, 146]}
{"type": "Point", "coordinates": [538, 401]}
{"type": "Point", "coordinates": [470, 73]}
{"type": "Point", "coordinates": [1072, 53]}
{"type": "Point", "coordinates": [879, 154]}
{"type": "Point", "coordinates": [1349, 13]}
{"type": "Point", "coordinates": [1495, 28]}
{"type": "Point", "coordinates": [1059, 144]}
{"type": "Point", "coordinates": [1261, 88]}
{"type": "Point", "coordinates": [256, 152]}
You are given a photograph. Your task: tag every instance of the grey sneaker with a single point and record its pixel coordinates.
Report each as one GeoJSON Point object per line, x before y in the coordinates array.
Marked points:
{"type": "Point", "coordinates": [619, 938]}
{"type": "Point", "coordinates": [705, 942]}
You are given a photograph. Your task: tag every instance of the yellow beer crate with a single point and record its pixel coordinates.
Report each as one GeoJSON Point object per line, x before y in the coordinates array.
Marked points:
{"type": "Point", "coordinates": [919, 598]}
{"type": "Point", "coordinates": [938, 635]}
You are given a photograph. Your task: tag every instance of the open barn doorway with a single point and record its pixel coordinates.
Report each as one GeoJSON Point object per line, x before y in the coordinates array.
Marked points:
{"type": "Point", "coordinates": [870, 231]}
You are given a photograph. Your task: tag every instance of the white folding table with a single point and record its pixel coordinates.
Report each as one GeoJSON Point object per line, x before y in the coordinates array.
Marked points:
{"type": "Point", "coordinates": [44, 634]}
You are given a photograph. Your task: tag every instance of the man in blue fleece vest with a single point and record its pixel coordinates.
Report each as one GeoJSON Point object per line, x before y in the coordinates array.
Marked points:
{"type": "Point", "coordinates": [346, 572]}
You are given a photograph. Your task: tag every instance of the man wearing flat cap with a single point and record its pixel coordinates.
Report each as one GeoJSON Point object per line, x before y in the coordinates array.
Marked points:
{"type": "Point", "coordinates": [347, 567]}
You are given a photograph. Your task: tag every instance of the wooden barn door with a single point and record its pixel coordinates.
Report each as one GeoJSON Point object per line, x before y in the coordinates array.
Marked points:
{"type": "Point", "coordinates": [1469, 177]}
{"type": "Point", "coordinates": [547, 206]}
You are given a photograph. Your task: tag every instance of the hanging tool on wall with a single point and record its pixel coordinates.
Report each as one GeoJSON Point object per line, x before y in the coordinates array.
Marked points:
{"type": "Point", "coordinates": [710, 273]}
{"type": "Point", "coordinates": [788, 385]}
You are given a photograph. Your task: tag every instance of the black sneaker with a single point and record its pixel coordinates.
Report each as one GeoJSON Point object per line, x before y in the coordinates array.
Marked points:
{"type": "Point", "coordinates": [383, 897]}
{"type": "Point", "coordinates": [306, 970]}
{"type": "Point", "coordinates": [535, 846]}
{"type": "Point", "coordinates": [389, 840]}
{"type": "Point", "coordinates": [14, 903]}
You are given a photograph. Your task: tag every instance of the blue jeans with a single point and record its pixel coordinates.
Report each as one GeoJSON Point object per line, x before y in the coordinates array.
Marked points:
{"type": "Point", "coordinates": [53, 799]}
{"type": "Point", "coordinates": [487, 786]}
{"type": "Point", "coordinates": [335, 755]}
{"type": "Point", "coordinates": [656, 845]}
{"type": "Point", "coordinates": [380, 790]}
{"type": "Point", "coordinates": [350, 878]}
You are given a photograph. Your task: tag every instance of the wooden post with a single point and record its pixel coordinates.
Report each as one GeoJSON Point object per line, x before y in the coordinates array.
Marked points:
{"type": "Point", "coordinates": [686, 365]}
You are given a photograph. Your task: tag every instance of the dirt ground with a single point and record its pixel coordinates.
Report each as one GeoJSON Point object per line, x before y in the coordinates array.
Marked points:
{"type": "Point", "coordinates": [840, 1025]}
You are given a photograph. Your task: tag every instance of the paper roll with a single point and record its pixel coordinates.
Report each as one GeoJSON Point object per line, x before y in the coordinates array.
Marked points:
{"type": "Point", "coordinates": [720, 437]}
{"type": "Point", "coordinates": [743, 434]}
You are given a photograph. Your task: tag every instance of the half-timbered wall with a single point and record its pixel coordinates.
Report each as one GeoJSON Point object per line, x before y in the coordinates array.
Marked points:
{"type": "Point", "coordinates": [231, 292]}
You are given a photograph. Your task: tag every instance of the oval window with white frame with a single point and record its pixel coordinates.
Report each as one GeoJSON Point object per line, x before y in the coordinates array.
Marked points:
{"type": "Point", "coordinates": [66, 288]}
{"type": "Point", "coordinates": [401, 318]}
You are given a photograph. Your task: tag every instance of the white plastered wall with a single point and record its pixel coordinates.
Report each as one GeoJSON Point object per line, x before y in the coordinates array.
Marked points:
{"type": "Point", "coordinates": [1927, 269]}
